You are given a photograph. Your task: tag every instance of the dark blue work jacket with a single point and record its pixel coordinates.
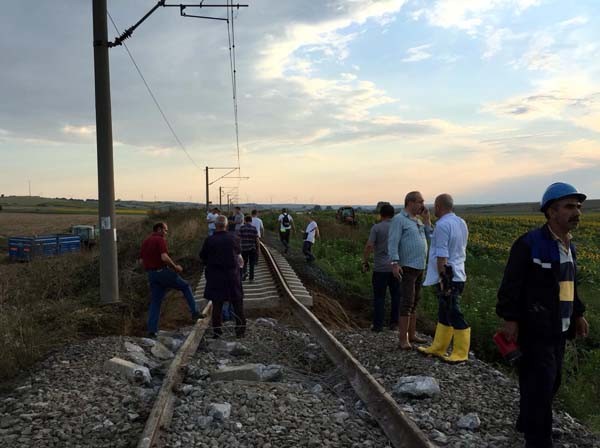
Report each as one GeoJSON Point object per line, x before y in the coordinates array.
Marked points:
{"type": "Point", "coordinates": [529, 292]}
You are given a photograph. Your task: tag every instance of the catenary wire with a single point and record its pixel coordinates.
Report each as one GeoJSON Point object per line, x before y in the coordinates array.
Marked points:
{"type": "Point", "coordinates": [233, 68]}
{"type": "Point", "coordinates": [166, 120]}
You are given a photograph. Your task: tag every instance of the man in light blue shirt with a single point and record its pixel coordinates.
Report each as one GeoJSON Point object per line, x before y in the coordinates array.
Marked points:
{"type": "Point", "coordinates": [407, 248]}
{"type": "Point", "coordinates": [446, 270]}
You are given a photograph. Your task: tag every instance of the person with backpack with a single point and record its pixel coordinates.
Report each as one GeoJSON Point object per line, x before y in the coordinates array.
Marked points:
{"type": "Point", "coordinates": [286, 225]}
{"type": "Point", "coordinates": [311, 232]}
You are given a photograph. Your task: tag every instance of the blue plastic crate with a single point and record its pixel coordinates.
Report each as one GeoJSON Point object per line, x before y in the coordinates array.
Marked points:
{"type": "Point", "coordinates": [25, 248]}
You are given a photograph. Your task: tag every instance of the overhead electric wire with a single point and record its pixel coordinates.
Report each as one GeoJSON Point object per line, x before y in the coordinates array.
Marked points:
{"type": "Point", "coordinates": [166, 120]}
{"type": "Point", "coordinates": [233, 68]}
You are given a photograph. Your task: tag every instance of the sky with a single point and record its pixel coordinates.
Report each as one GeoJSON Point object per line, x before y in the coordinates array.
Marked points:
{"type": "Point", "coordinates": [339, 101]}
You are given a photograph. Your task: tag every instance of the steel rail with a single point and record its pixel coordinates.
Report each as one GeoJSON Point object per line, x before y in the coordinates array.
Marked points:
{"type": "Point", "coordinates": [401, 431]}
{"type": "Point", "coordinates": [162, 410]}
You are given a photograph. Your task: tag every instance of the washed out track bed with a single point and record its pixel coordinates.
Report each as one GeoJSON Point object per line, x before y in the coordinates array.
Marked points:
{"type": "Point", "coordinates": [307, 403]}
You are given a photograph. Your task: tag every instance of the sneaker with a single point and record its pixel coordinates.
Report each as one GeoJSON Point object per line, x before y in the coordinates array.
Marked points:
{"type": "Point", "coordinates": [152, 335]}
{"type": "Point", "coordinates": [393, 327]}
{"type": "Point", "coordinates": [376, 329]}
{"type": "Point", "coordinates": [196, 316]}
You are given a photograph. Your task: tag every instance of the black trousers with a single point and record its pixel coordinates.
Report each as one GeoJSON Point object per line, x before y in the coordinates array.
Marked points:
{"type": "Point", "coordinates": [382, 281]}
{"type": "Point", "coordinates": [307, 251]}
{"type": "Point", "coordinates": [250, 257]}
{"type": "Point", "coordinates": [539, 379]}
{"type": "Point", "coordinates": [238, 312]}
{"type": "Point", "coordinates": [284, 237]}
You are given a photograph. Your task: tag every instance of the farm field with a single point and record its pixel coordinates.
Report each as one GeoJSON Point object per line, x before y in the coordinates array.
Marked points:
{"type": "Point", "coordinates": [35, 223]}
{"type": "Point", "coordinates": [25, 224]}
{"type": "Point", "coordinates": [37, 204]}
{"type": "Point", "coordinates": [339, 254]}
{"type": "Point", "coordinates": [51, 301]}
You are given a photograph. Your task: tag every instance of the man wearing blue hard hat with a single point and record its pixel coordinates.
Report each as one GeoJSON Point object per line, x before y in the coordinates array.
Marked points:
{"type": "Point", "coordinates": [541, 309]}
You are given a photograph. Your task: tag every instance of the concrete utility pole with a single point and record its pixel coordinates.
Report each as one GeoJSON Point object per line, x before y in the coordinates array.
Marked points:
{"type": "Point", "coordinates": [207, 198]}
{"type": "Point", "coordinates": [109, 280]}
{"type": "Point", "coordinates": [227, 175]}
{"type": "Point", "coordinates": [220, 198]}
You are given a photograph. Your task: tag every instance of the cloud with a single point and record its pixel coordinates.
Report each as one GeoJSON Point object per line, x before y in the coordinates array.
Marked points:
{"type": "Point", "coordinates": [583, 150]}
{"type": "Point", "coordinates": [575, 99]}
{"type": "Point", "coordinates": [82, 131]}
{"type": "Point", "coordinates": [324, 36]}
{"type": "Point", "coordinates": [469, 15]}
{"type": "Point", "coordinates": [495, 38]}
{"type": "Point", "coordinates": [573, 22]}
{"type": "Point", "coordinates": [416, 54]}
{"type": "Point", "coordinates": [156, 151]}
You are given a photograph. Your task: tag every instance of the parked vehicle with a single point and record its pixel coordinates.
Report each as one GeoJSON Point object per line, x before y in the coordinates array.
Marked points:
{"type": "Point", "coordinates": [346, 215]}
{"type": "Point", "coordinates": [26, 248]}
{"type": "Point", "coordinates": [88, 235]}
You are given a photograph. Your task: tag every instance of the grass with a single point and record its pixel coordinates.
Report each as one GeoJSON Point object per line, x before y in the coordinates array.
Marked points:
{"type": "Point", "coordinates": [52, 301]}
{"type": "Point", "coordinates": [339, 253]}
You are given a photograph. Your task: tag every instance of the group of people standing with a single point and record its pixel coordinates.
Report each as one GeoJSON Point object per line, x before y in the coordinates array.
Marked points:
{"type": "Point", "coordinates": [537, 299]}
{"type": "Point", "coordinates": [401, 244]}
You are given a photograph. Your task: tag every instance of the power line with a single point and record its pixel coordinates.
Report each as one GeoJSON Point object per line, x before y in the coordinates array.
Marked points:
{"type": "Point", "coordinates": [233, 68]}
{"type": "Point", "coordinates": [166, 120]}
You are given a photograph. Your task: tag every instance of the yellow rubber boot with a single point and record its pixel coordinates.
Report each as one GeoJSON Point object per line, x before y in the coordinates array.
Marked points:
{"type": "Point", "coordinates": [441, 341]}
{"type": "Point", "coordinates": [462, 342]}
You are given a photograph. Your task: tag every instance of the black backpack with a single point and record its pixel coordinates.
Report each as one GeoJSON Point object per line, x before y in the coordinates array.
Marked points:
{"type": "Point", "coordinates": [285, 221]}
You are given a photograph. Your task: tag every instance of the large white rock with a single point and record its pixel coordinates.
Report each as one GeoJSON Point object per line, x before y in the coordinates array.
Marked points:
{"type": "Point", "coordinates": [133, 348]}
{"type": "Point", "coordinates": [266, 322]}
{"type": "Point", "coordinates": [248, 372]}
{"type": "Point", "coordinates": [469, 421]}
{"type": "Point", "coordinates": [417, 386]}
{"type": "Point", "coordinates": [171, 343]}
{"type": "Point", "coordinates": [341, 417]}
{"type": "Point", "coordinates": [142, 360]}
{"type": "Point", "coordinates": [133, 372]}
{"type": "Point", "coordinates": [233, 348]}
{"type": "Point", "coordinates": [161, 352]}
{"type": "Point", "coordinates": [219, 411]}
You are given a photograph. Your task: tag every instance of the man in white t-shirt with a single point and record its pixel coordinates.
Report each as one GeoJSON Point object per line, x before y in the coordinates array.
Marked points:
{"type": "Point", "coordinates": [286, 225]}
{"type": "Point", "coordinates": [211, 217]}
{"type": "Point", "coordinates": [258, 223]}
{"type": "Point", "coordinates": [311, 232]}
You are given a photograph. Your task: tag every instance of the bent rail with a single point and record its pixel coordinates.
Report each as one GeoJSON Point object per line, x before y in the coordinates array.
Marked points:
{"type": "Point", "coordinates": [402, 432]}
{"type": "Point", "coordinates": [162, 410]}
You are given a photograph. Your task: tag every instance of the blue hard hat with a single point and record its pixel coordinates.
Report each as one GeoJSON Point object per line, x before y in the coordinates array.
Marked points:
{"type": "Point", "coordinates": [559, 190]}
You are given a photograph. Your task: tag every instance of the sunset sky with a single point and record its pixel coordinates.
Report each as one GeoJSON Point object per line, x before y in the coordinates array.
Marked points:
{"type": "Point", "coordinates": [340, 101]}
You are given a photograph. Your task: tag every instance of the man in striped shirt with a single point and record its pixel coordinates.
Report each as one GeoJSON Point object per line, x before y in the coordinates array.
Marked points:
{"type": "Point", "coordinates": [249, 247]}
{"type": "Point", "coordinates": [407, 247]}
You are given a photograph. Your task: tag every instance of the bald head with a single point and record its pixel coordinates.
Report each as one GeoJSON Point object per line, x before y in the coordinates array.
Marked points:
{"type": "Point", "coordinates": [443, 204]}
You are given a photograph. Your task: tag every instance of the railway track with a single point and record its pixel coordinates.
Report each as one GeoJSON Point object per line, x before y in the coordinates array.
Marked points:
{"type": "Point", "coordinates": [276, 284]}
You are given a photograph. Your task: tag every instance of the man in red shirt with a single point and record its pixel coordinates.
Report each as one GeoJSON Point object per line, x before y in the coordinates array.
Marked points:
{"type": "Point", "coordinates": [162, 275]}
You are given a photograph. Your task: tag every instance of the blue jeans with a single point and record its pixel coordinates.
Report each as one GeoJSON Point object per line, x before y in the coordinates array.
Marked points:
{"type": "Point", "coordinates": [449, 312]}
{"type": "Point", "coordinates": [381, 282]}
{"type": "Point", "coordinates": [211, 232]}
{"type": "Point", "coordinates": [161, 281]}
